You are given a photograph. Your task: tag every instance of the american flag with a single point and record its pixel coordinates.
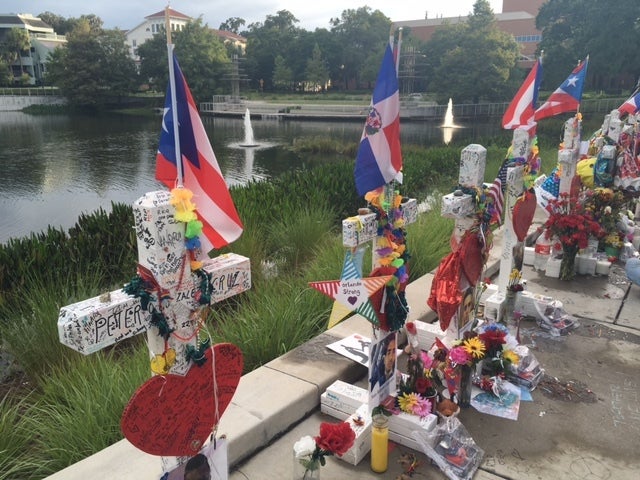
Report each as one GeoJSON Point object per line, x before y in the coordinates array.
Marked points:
{"type": "Point", "coordinates": [495, 192]}
{"type": "Point", "coordinates": [202, 175]}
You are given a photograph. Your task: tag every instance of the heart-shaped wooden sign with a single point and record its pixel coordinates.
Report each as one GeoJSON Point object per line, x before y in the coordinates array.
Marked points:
{"type": "Point", "coordinates": [523, 212]}
{"type": "Point", "coordinates": [173, 415]}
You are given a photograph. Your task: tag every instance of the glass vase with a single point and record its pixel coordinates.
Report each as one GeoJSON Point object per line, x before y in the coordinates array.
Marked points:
{"type": "Point", "coordinates": [568, 264]}
{"type": "Point", "coordinates": [305, 469]}
{"type": "Point", "coordinates": [464, 389]}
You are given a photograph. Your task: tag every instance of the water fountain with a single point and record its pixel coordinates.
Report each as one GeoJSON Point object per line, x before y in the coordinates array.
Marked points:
{"type": "Point", "coordinates": [448, 126]}
{"type": "Point", "coordinates": [248, 131]}
{"type": "Point", "coordinates": [448, 116]}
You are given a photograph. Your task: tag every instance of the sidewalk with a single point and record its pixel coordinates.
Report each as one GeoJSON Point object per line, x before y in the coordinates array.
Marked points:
{"type": "Point", "coordinates": [583, 422]}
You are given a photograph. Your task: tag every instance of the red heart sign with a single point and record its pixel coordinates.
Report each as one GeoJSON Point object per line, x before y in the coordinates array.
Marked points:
{"type": "Point", "coordinates": [523, 212]}
{"type": "Point", "coordinates": [172, 415]}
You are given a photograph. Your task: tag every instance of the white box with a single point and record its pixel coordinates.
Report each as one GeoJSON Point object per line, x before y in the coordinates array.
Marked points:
{"type": "Point", "coordinates": [342, 393]}
{"type": "Point", "coordinates": [494, 307]}
{"type": "Point", "coordinates": [404, 423]}
{"type": "Point", "coordinates": [327, 409]}
{"type": "Point", "coordinates": [526, 303]}
{"type": "Point", "coordinates": [529, 255]}
{"type": "Point", "coordinates": [553, 267]}
{"type": "Point", "coordinates": [360, 423]}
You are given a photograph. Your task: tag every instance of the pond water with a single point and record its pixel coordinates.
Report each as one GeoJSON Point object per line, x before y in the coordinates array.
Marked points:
{"type": "Point", "coordinates": [55, 167]}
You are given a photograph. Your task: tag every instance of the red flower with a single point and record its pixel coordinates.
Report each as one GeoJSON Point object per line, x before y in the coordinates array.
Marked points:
{"type": "Point", "coordinates": [335, 438]}
{"type": "Point", "coordinates": [422, 385]}
{"type": "Point", "coordinates": [411, 328]}
{"type": "Point", "coordinates": [493, 339]}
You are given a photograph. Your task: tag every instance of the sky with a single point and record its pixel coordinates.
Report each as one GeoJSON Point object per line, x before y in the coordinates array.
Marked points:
{"type": "Point", "coordinates": [126, 14]}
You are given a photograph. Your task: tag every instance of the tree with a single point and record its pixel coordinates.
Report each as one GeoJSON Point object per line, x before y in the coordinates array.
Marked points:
{"type": "Point", "coordinates": [317, 73]}
{"type": "Point", "coordinates": [93, 68]}
{"type": "Point", "coordinates": [15, 41]}
{"type": "Point", "coordinates": [202, 57]}
{"type": "Point", "coordinates": [362, 35]}
{"type": "Point", "coordinates": [571, 29]}
{"type": "Point", "coordinates": [282, 74]}
{"type": "Point", "coordinates": [473, 60]}
{"type": "Point", "coordinates": [278, 35]}
{"type": "Point", "coordinates": [233, 24]}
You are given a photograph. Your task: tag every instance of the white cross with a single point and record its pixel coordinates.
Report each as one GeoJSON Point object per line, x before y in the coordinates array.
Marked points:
{"type": "Point", "coordinates": [95, 323]}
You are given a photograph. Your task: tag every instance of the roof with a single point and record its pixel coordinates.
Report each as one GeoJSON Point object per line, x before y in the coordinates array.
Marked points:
{"type": "Point", "coordinates": [172, 14]}
{"type": "Point", "coordinates": [229, 35]}
{"type": "Point", "coordinates": [34, 21]}
{"type": "Point", "coordinates": [434, 22]}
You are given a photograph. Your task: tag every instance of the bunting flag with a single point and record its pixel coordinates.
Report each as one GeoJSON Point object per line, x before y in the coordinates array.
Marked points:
{"type": "Point", "coordinates": [631, 106]}
{"type": "Point", "coordinates": [522, 108]}
{"type": "Point", "coordinates": [202, 175]}
{"type": "Point", "coordinates": [379, 157]}
{"type": "Point", "coordinates": [567, 96]}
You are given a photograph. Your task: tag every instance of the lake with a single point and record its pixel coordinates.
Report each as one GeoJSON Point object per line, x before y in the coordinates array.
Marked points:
{"type": "Point", "coordinates": [55, 167]}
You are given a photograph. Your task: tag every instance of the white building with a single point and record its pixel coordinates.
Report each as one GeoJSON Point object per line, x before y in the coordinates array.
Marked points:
{"type": "Point", "coordinates": [43, 40]}
{"type": "Point", "coordinates": [153, 24]}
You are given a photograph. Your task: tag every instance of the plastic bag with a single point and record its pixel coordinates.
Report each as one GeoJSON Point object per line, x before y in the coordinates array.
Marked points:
{"type": "Point", "coordinates": [451, 448]}
{"type": "Point", "coordinates": [554, 319]}
{"type": "Point", "coordinates": [527, 372]}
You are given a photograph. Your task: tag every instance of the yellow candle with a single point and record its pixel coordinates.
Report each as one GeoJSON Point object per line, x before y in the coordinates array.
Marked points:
{"type": "Point", "coordinates": [379, 444]}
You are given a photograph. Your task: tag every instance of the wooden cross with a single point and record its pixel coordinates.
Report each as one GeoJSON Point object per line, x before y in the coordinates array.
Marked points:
{"type": "Point", "coordinates": [95, 323]}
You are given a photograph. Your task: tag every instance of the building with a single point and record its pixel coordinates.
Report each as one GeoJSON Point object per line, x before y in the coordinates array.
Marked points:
{"type": "Point", "coordinates": [518, 18]}
{"type": "Point", "coordinates": [43, 40]}
{"type": "Point", "coordinates": [151, 25]}
{"type": "Point", "coordinates": [155, 23]}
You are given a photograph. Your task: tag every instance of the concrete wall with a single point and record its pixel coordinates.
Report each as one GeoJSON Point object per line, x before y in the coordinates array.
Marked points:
{"type": "Point", "coordinates": [10, 103]}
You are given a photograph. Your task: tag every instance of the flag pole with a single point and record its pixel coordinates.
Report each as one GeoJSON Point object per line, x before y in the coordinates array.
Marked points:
{"type": "Point", "coordinates": [174, 103]}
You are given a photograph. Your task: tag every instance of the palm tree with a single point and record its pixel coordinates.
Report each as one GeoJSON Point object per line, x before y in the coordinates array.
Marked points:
{"type": "Point", "coordinates": [15, 42]}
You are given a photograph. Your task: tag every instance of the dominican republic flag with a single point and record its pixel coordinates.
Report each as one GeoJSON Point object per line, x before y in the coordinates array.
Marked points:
{"type": "Point", "coordinates": [522, 107]}
{"type": "Point", "coordinates": [568, 95]}
{"type": "Point", "coordinates": [202, 175]}
{"type": "Point", "coordinates": [379, 158]}
{"type": "Point", "coordinates": [631, 106]}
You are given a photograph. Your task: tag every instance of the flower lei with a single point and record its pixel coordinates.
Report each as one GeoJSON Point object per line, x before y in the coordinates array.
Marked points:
{"type": "Point", "coordinates": [391, 251]}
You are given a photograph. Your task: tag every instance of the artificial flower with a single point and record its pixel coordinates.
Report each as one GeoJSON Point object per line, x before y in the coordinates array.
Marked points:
{"type": "Point", "coordinates": [459, 355]}
{"type": "Point", "coordinates": [510, 356]}
{"type": "Point", "coordinates": [334, 439]}
{"type": "Point", "coordinates": [475, 347]}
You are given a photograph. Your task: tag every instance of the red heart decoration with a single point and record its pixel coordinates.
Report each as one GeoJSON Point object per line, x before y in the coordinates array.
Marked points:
{"type": "Point", "coordinates": [173, 415]}
{"type": "Point", "coordinates": [523, 212]}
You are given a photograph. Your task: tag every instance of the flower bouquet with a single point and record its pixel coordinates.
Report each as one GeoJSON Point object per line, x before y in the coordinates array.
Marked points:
{"type": "Point", "coordinates": [310, 452]}
{"type": "Point", "coordinates": [573, 224]}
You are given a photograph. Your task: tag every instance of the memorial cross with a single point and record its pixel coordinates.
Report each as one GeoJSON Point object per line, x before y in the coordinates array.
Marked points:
{"type": "Point", "coordinates": [461, 206]}
{"type": "Point", "coordinates": [511, 247]}
{"type": "Point", "coordinates": [177, 298]}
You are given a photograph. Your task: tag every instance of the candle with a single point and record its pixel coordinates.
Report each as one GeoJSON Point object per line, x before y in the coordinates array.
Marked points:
{"type": "Point", "coordinates": [379, 444]}
{"type": "Point", "coordinates": [602, 267]}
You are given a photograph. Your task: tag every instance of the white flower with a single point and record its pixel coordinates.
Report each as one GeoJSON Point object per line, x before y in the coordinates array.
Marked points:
{"type": "Point", "coordinates": [304, 447]}
{"type": "Point", "coordinates": [607, 210]}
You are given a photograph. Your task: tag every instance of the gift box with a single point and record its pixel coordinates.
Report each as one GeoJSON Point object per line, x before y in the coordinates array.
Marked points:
{"type": "Point", "coordinates": [494, 307]}
{"type": "Point", "coordinates": [526, 303]}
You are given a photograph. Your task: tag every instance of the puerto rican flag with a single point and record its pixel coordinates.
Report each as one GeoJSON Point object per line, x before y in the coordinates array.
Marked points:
{"type": "Point", "coordinates": [379, 158]}
{"type": "Point", "coordinates": [568, 95]}
{"type": "Point", "coordinates": [202, 175]}
{"type": "Point", "coordinates": [522, 108]}
{"type": "Point", "coordinates": [631, 106]}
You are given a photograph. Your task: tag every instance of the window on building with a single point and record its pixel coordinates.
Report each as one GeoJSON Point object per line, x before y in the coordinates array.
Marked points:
{"type": "Point", "coordinates": [133, 43]}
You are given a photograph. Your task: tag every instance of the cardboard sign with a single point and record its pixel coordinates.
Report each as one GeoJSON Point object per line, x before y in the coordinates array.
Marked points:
{"type": "Point", "coordinates": [173, 415]}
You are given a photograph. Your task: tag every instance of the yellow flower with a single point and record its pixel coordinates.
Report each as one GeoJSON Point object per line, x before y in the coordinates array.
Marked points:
{"type": "Point", "coordinates": [511, 356]}
{"type": "Point", "coordinates": [407, 401]}
{"type": "Point", "coordinates": [474, 347]}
